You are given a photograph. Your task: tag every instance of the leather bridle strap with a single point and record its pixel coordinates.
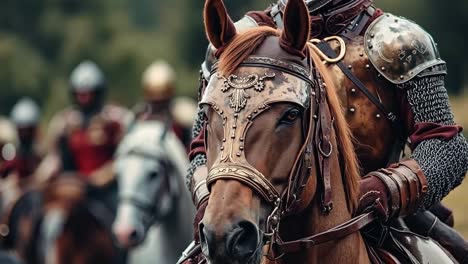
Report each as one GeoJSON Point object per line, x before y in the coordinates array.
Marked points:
{"type": "Point", "coordinates": [347, 228]}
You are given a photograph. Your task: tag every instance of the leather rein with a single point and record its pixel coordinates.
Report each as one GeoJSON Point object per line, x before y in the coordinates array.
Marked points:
{"type": "Point", "coordinates": [316, 149]}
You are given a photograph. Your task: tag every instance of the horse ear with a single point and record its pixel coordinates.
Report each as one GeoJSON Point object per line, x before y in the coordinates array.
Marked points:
{"type": "Point", "coordinates": [219, 27]}
{"type": "Point", "coordinates": [296, 25]}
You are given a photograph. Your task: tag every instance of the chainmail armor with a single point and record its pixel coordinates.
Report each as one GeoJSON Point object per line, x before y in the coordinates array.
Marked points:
{"type": "Point", "coordinates": [196, 162]}
{"type": "Point", "coordinates": [199, 159]}
{"type": "Point", "coordinates": [428, 99]}
{"type": "Point", "coordinates": [443, 162]}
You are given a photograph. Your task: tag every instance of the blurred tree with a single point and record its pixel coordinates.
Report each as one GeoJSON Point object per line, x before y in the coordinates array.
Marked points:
{"type": "Point", "coordinates": [42, 40]}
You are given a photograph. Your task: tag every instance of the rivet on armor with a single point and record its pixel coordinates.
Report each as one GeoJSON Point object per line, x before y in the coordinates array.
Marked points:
{"type": "Point", "coordinates": [233, 136]}
{"type": "Point", "coordinates": [221, 112]}
{"type": "Point", "coordinates": [234, 126]}
{"type": "Point", "coordinates": [402, 77]}
{"type": "Point", "coordinates": [249, 117]}
{"type": "Point", "coordinates": [255, 111]}
{"type": "Point", "coordinates": [377, 115]}
{"type": "Point", "coordinates": [313, 93]}
{"type": "Point", "coordinates": [315, 117]}
{"type": "Point", "coordinates": [353, 90]}
{"type": "Point", "coordinates": [361, 54]}
{"type": "Point", "coordinates": [370, 46]}
{"type": "Point", "coordinates": [224, 140]}
{"type": "Point", "coordinates": [352, 109]}
{"type": "Point", "coordinates": [222, 147]}
{"type": "Point", "coordinates": [350, 67]}
{"type": "Point", "coordinates": [236, 115]}
{"type": "Point", "coordinates": [241, 147]}
{"type": "Point", "coordinates": [238, 154]}
{"type": "Point", "coordinates": [241, 139]}
{"type": "Point", "coordinates": [372, 35]}
{"type": "Point", "coordinates": [383, 68]}
{"type": "Point", "coordinates": [367, 66]}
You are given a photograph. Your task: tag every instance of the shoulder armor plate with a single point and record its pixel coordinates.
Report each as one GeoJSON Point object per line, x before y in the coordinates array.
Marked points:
{"type": "Point", "coordinates": [243, 24]}
{"type": "Point", "coordinates": [400, 49]}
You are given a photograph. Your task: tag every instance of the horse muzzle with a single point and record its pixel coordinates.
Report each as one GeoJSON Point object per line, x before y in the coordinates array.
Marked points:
{"type": "Point", "coordinates": [239, 243]}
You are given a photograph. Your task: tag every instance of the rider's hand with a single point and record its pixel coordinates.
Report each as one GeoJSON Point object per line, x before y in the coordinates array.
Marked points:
{"type": "Point", "coordinates": [373, 197]}
{"type": "Point", "coordinates": [198, 219]}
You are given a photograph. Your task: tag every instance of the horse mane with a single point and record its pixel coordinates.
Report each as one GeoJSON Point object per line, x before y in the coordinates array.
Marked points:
{"type": "Point", "coordinates": [244, 44]}
{"type": "Point", "coordinates": [343, 135]}
{"type": "Point", "coordinates": [241, 46]}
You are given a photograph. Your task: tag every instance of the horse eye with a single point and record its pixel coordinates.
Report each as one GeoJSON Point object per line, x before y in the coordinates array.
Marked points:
{"type": "Point", "coordinates": [153, 175]}
{"type": "Point", "coordinates": [290, 116]}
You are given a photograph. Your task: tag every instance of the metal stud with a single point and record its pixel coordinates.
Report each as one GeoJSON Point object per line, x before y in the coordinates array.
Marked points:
{"type": "Point", "coordinates": [315, 117]}
{"type": "Point", "coordinates": [377, 115]}
{"type": "Point", "coordinates": [249, 117]}
{"type": "Point", "coordinates": [352, 109]}
{"type": "Point", "coordinates": [370, 46]}
{"type": "Point", "coordinates": [353, 90]}
{"type": "Point", "coordinates": [241, 139]}
{"type": "Point", "coordinates": [238, 154]}
{"type": "Point", "coordinates": [241, 147]}
{"type": "Point", "coordinates": [372, 35]}
{"type": "Point", "coordinates": [234, 126]}
{"type": "Point", "coordinates": [222, 147]}
{"type": "Point", "coordinates": [236, 115]}
{"type": "Point", "coordinates": [402, 77]}
{"type": "Point", "coordinates": [350, 67]}
{"type": "Point", "coordinates": [313, 93]}
{"type": "Point", "coordinates": [361, 54]}
{"type": "Point", "coordinates": [367, 66]}
{"type": "Point", "coordinates": [383, 68]}
{"type": "Point", "coordinates": [224, 140]}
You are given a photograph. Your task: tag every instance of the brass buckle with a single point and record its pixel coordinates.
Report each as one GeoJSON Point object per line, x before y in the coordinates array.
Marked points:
{"type": "Point", "coordinates": [326, 59]}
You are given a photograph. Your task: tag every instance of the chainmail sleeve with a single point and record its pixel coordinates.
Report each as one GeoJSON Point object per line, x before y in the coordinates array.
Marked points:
{"type": "Point", "coordinates": [200, 158]}
{"type": "Point", "coordinates": [444, 161]}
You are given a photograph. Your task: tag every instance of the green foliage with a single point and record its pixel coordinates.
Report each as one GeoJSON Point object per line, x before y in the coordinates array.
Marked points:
{"type": "Point", "coordinates": [42, 40]}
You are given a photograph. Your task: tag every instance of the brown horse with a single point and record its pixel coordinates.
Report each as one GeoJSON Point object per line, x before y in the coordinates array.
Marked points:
{"type": "Point", "coordinates": [282, 170]}
{"type": "Point", "coordinates": [74, 228]}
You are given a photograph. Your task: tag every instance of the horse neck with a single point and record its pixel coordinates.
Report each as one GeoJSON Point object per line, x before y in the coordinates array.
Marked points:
{"type": "Point", "coordinates": [313, 221]}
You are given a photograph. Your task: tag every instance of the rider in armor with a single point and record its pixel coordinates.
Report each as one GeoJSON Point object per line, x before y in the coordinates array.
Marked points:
{"type": "Point", "coordinates": [389, 77]}
{"type": "Point", "coordinates": [159, 84]}
{"type": "Point", "coordinates": [25, 115]}
{"type": "Point", "coordinates": [85, 136]}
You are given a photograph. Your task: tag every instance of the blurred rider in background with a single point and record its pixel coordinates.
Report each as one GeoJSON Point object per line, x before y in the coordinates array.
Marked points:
{"type": "Point", "coordinates": [159, 85]}
{"type": "Point", "coordinates": [25, 116]}
{"type": "Point", "coordinates": [85, 136]}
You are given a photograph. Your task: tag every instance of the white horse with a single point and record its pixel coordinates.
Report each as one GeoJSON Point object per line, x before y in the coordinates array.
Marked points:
{"type": "Point", "coordinates": [151, 164]}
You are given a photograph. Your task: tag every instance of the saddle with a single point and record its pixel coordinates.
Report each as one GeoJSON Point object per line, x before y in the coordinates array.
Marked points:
{"type": "Point", "coordinates": [399, 244]}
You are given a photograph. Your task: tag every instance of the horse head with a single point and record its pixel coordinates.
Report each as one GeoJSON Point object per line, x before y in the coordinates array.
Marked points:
{"type": "Point", "coordinates": [148, 188]}
{"type": "Point", "coordinates": [269, 128]}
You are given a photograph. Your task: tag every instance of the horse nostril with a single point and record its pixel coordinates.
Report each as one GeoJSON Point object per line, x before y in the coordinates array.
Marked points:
{"type": "Point", "coordinates": [243, 240]}
{"type": "Point", "coordinates": [134, 236]}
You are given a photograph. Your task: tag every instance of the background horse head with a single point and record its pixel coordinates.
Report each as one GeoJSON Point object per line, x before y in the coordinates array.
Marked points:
{"type": "Point", "coordinates": [277, 148]}
{"type": "Point", "coordinates": [150, 166]}
{"type": "Point", "coordinates": [74, 227]}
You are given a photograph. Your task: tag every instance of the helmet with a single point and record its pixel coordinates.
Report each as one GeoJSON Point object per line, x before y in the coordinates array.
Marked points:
{"type": "Point", "coordinates": [25, 113]}
{"type": "Point", "coordinates": [158, 81]}
{"type": "Point", "coordinates": [313, 5]}
{"type": "Point", "coordinates": [87, 77]}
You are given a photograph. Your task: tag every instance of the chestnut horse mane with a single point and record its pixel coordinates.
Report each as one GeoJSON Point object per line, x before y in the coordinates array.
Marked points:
{"type": "Point", "coordinates": [243, 44]}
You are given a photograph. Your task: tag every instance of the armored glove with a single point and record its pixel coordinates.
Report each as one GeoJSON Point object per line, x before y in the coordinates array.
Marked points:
{"type": "Point", "coordinates": [395, 191]}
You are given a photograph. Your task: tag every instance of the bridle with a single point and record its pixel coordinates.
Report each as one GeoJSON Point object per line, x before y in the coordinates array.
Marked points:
{"type": "Point", "coordinates": [314, 153]}
{"type": "Point", "coordinates": [151, 208]}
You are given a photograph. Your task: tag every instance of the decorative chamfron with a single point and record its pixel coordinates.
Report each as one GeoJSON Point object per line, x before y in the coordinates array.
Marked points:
{"type": "Point", "coordinates": [238, 86]}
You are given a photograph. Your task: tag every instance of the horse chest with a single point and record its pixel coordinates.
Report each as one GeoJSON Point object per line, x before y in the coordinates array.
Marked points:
{"type": "Point", "coordinates": [373, 132]}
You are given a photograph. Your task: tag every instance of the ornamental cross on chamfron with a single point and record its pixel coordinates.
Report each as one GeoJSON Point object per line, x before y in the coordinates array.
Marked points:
{"type": "Point", "coordinates": [238, 86]}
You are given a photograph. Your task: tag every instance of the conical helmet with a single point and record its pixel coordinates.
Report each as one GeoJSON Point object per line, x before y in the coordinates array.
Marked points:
{"type": "Point", "coordinates": [158, 81]}
{"type": "Point", "coordinates": [25, 113]}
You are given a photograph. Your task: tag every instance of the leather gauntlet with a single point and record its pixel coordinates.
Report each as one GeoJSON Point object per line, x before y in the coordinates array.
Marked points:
{"type": "Point", "coordinates": [395, 191]}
